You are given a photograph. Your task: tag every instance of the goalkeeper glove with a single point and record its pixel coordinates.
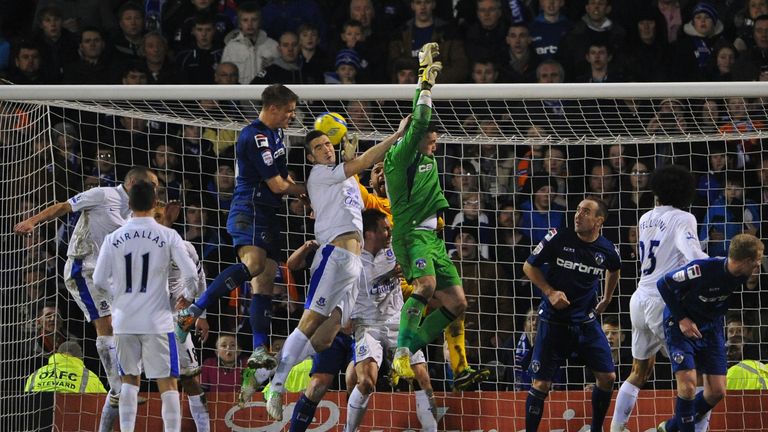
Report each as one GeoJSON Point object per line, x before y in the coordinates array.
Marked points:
{"type": "Point", "coordinates": [429, 75]}
{"type": "Point", "coordinates": [349, 147]}
{"type": "Point", "coordinates": [428, 54]}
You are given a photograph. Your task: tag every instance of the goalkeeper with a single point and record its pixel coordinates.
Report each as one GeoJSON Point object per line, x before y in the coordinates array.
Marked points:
{"type": "Point", "coordinates": [464, 376]}
{"type": "Point", "coordinates": [413, 185]}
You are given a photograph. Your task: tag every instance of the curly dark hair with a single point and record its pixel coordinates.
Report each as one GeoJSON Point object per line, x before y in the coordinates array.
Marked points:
{"type": "Point", "coordinates": [673, 185]}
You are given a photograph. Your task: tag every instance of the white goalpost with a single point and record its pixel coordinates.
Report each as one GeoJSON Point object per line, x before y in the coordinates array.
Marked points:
{"type": "Point", "coordinates": [513, 159]}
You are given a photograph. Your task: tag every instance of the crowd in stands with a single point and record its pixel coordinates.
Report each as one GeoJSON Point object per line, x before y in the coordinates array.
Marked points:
{"type": "Point", "coordinates": [503, 199]}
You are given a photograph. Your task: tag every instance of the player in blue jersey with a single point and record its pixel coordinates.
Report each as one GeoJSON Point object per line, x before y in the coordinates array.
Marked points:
{"type": "Point", "coordinates": [696, 297]}
{"type": "Point", "coordinates": [567, 267]}
{"type": "Point", "coordinates": [262, 180]}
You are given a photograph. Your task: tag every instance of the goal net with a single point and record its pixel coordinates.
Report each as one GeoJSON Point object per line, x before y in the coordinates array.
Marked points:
{"type": "Point", "coordinates": [514, 161]}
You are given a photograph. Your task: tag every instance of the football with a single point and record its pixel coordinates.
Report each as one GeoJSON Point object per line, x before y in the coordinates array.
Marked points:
{"type": "Point", "coordinates": [333, 125]}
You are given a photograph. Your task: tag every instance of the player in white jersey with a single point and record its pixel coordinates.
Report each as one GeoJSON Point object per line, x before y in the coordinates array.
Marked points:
{"type": "Point", "coordinates": [667, 240]}
{"type": "Point", "coordinates": [189, 368]}
{"type": "Point", "coordinates": [133, 265]}
{"type": "Point", "coordinates": [376, 318]}
{"type": "Point", "coordinates": [336, 269]}
{"type": "Point", "coordinates": [103, 210]}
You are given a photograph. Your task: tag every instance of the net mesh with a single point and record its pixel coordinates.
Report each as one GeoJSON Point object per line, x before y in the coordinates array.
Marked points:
{"type": "Point", "coordinates": [496, 157]}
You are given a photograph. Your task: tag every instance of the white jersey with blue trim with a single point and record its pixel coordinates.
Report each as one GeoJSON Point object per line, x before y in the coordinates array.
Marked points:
{"type": "Point", "coordinates": [336, 201]}
{"type": "Point", "coordinates": [133, 264]}
{"type": "Point", "coordinates": [667, 240]}
{"type": "Point", "coordinates": [380, 298]}
{"type": "Point", "coordinates": [176, 283]}
{"type": "Point", "coordinates": [103, 210]}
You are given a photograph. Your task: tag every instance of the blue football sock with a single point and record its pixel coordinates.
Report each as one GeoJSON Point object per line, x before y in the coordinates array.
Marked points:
{"type": "Point", "coordinates": [303, 413]}
{"type": "Point", "coordinates": [700, 406]}
{"type": "Point", "coordinates": [684, 414]}
{"type": "Point", "coordinates": [229, 279]}
{"type": "Point", "coordinates": [601, 399]}
{"type": "Point", "coordinates": [261, 319]}
{"type": "Point", "coordinates": [534, 409]}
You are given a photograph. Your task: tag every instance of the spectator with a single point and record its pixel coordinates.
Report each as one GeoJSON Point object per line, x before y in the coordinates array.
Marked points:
{"type": "Point", "coordinates": [92, 67]}
{"type": "Point", "coordinates": [314, 60]}
{"type": "Point", "coordinates": [280, 16]}
{"type": "Point", "coordinates": [721, 67]}
{"type": "Point", "coordinates": [599, 58]}
{"type": "Point", "coordinates": [556, 169]}
{"type": "Point", "coordinates": [78, 15]}
{"type": "Point", "coordinates": [617, 158]}
{"type": "Point", "coordinates": [166, 164]}
{"type": "Point", "coordinates": [57, 45]}
{"type": "Point", "coordinates": [472, 215]}
{"type": "Point", "coordinates": [484, 72]}
{"type": "Point", "coordinates": [727, 216]}
{"type": "Point", "coordinates": [739, 121]}
{"type": "Point", "coordinates": [482, 289]}
{"type": "Point", "coordinates": [424, 28]}
{"type": "Point", "coordinates": [521, 61]}
{"type": "Point", "coordinates": [126, 44]}
{"type": "Point", "coordinates": [179, 28]}
{"type": "Point", "coordinates": [286, 69]}
{"type": "Point", "coordinates": [496, 160]}
{"type": "Point", "coordinates": [51, 329]}
{"type": "Point", "coordinates": [487, 35]}
{"type": "Point", "coordinates": [347, 65]}
{"type": "Point", "coordinates": [463, 178]}
{"type": "Point", "coordinates": [67, 159]}
{"type": "Point", "coordinates": [745, 23]}
{"type": "Point", "coordinates": [711, 185]}
{"type": "Point", "coordinates": [540, 214]}
{"type": "Point", "coordinates": [104, 168]}
{"type": "Point", "coordinates": [672, 118]}
{"type": "Point", "coordinates": [373, 44]}
{"type": "Point", "coordinates": [406, 71]}
{"type": "Point", "coordinates": [197, 157]}
{"type": "Point", "coordinates": [648, 51]}
{"type": "Point", "coordinates": [673, 20]}
{"type": "Point", "coordinates": [161, 70]}
{"type": "Point", "coordinates": [639, 190]}
{"type": "Point", "coordinates": [249, 47]}
{"type": "Point", "coordinates": [695, 47]}
{"type": "Point", "coordinates": [65, 373]}
{"type": "Point", "coordinates": [754, 60]}
{"type": "Point", "coordinates": [512, 249]}
{"type": "Point", "coordinates": [26, 65]}
{"type": "Point", "coordinates": [595, 26]}
{"type": "Point", "coordinates": [223, 373]}
{"type": "Point", "coordinates": [740, 336]}
{"type": "Point", "coordinates": [549, 28]}
{"type": "Point", "coordinates": [134, 73]}
{"type": "Point", "coordinates": [219, 193]}
{"type": "Point", "coordinates": [603, 182]}
{"type": "Point", "coordinates": [197, 64]}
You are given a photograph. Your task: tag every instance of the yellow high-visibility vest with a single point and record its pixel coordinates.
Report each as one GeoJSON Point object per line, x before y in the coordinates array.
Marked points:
{"type": "Point", "coordinates": [64, 374]}
{"type": "Point", "coordinates": [747, 375]}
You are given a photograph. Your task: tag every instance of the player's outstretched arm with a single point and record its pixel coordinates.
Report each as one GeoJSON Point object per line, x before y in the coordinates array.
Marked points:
{"type": "Point", "coordinates": [556, 298]}
{"type": "Point", "coordinates": [52, 212]}
{"type": "Point", "coordinates": [375, 153]}
{"type": "Point", "coordinates": [298, 259]}
{"type": "Point", "coordinates": [611, 281]}
{"type": "Point", "coordinates": [280, 185]}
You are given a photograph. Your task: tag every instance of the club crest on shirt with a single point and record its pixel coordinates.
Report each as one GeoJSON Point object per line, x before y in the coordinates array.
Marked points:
{"type": "Point", "coordinates": [104, 305]}
{"type": "Point", "coordinates": [535, 366]}
{"type": "Point", "coordinates": [421, 263]}
{"type": "Point", "coordinates": [678, 357]}
{"type": "Point", "coordinates": [362, 350]}
{"type": "Point", "coordinates": [320, 302]}
{"type": "Point", "coordinates": [267, 156]}
{"type": "Point", "coordinates": [599, 258]}
{"type": "Point", "coordinates": [261, 141]}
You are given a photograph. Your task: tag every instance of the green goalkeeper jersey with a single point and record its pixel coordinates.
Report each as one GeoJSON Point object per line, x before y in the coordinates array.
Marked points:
{"type": "Point", "coordinates": [413, 184]}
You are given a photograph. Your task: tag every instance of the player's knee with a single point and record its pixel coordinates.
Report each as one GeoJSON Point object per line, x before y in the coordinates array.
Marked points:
{"type": "Point", "coordinates": [715, 395]}
{"type": "Point", "coordinates": [366, 384]}
{"type": "Point", "coordinates": [605, 381]}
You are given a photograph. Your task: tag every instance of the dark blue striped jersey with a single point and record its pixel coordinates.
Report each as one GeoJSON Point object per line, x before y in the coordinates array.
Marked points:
{"type": "Point", "coordinates": [261, 155]}
{"type": "Point", "coordinates": [576, 268]}
{"type": "Point", "coordinates": [700, 290]}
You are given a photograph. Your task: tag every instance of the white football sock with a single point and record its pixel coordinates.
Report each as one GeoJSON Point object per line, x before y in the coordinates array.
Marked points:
{"type": "Point", "coordinates": [625, 402]}
{"type": "Point", "coordinates": [425, 404]}
{"type": "Point", "coordinates": [105, 346]}
{"type": "Point", "coordinates": [128, 406]}
{"type": "Point", "coordinates": [171, 411]}
{"type": "Point", "coordinates": [295, 349]}
{"type": "Point", "coordinates": [357, 404]}
{"type": "Point", "coordinates": [199, 411]}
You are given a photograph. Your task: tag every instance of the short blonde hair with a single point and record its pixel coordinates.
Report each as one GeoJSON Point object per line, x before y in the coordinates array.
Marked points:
{"type": "Point", "coordinates": [745, 246]}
